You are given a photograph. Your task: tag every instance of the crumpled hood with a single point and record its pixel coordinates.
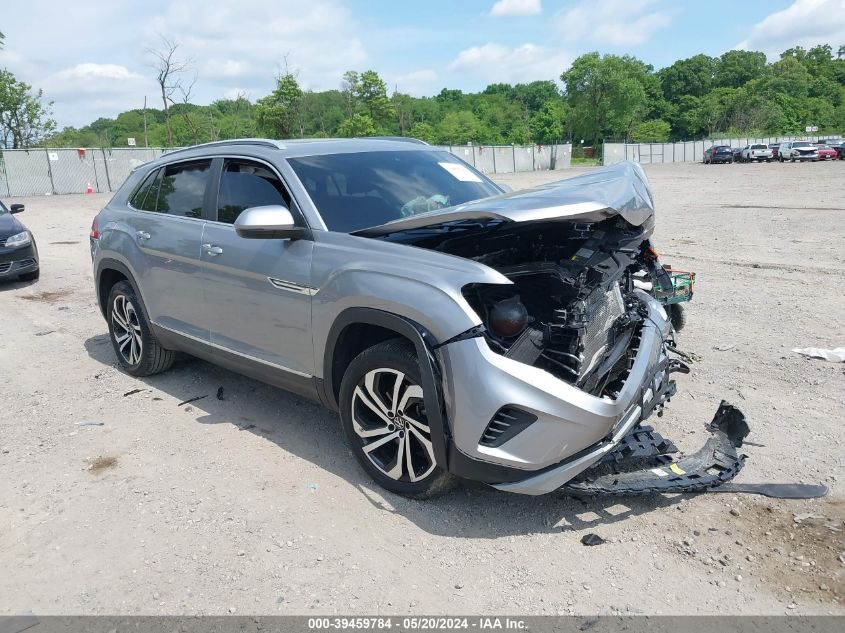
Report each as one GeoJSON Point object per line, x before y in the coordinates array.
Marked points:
{"type": "Point", "coordinates": [621, 189]}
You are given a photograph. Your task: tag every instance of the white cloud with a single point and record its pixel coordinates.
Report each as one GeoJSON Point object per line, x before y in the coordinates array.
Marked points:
{"type": "Point", "coordinates": [316, 37]}
{"type": "Point", "coordinates": [612, 22]}
{"type": "Point", "coordinates": [76, 56]}
{"type": "Point", "coordinates": [516, 7]}
{"type": "Point", "coordinates": [94, 90]}
{"type": "Point", "coordinates": [495, 62]}
{"type": "Point", "coordinates": [803, 23]}
{"type": "Point", "coordinates": [416, 83]}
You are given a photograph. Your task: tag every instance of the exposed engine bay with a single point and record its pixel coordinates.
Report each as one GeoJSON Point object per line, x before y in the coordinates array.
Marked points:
{"type": "Point", "coordinates": [572, 309]}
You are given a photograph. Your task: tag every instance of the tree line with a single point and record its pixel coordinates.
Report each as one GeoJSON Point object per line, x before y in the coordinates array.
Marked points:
{"type": "Point", "coordinates": [599, 97]}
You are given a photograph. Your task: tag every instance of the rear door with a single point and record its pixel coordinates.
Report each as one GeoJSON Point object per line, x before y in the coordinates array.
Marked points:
{"type": "Point", "coordinates": [257, 291]}
{"type": "Point", "coordinates": [168, 229]}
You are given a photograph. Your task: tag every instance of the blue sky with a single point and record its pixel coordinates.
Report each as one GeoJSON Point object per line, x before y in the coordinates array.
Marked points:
{"type": "Point", "coordinates": [92, 61]}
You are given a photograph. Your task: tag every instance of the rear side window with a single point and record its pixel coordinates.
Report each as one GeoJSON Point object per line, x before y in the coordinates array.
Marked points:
{"type": "Point", "coordinates": [182, 189]}
{"type": "Point", "coordinates": [146, 196]}
{"type": "Point", "coordinates": [244, 184]}
{"type": "Point", "coordinates": [759, 147]}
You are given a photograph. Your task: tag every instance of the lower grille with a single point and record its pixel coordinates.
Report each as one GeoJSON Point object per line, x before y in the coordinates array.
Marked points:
{"type": "Point", "coordinates": [4, 267]}
{"type": "Point", "coordinates": [506, 423]}
{"type": "Point", "coordinates": [3, 242]}
{"type": "Point", "coordinates": [26, 262]}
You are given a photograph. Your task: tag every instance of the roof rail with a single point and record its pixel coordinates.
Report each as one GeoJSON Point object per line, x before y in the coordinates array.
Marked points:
{"type": "Point", "coordinates": [401, 139]}
{"type": "Point", "coordinates": [262, 142]}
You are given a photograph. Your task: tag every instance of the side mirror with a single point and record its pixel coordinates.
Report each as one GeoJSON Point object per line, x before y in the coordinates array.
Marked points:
{"type": "Point", "coordinates": [17, 208]}
{"type": "Point", "coordinates": [268, 223]}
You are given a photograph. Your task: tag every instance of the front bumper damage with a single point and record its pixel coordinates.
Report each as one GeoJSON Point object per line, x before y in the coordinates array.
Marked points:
{"type": "Point", "coordinates": [642, 463]}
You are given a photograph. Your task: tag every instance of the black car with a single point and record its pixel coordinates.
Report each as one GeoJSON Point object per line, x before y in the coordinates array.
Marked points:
{"type": "Point", "coordinates": [18, 252]}
{"type": "Point", "coordinates": [718, 154]}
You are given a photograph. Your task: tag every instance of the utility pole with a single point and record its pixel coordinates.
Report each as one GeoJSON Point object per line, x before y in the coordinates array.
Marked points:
{"type": "Point", "coordinates": [146, 144]}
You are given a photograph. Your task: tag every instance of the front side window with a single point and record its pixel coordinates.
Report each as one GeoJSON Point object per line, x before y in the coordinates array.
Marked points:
{"type": "Point", "coordinates": [182, 189]}
{"type": "Point", "coordinates": [360, 190]}
{"type": "Point", "coordinates": [245, 184]}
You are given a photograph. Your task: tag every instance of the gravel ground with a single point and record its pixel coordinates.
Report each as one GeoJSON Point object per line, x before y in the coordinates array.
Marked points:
{"type": "Point", "coordinates": [116, 499]}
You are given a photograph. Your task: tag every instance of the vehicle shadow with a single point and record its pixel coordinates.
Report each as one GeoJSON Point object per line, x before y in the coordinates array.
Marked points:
{"type": "Point", "coordinates": [16, 284]}
{"type": "Point", "coordinates": [313, 433]}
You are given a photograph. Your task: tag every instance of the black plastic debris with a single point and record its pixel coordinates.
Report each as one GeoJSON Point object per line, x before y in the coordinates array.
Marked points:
{"type": "Point", "coordinates": [220, 393]}
{"type": "Point", "coordinates": [591, 539]}
{"type": "Point", "coordinates": [190, 400]}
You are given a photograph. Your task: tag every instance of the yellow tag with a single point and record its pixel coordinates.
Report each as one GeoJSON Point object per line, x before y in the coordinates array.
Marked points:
{"type": "Point", "coordinates": [677, 469]}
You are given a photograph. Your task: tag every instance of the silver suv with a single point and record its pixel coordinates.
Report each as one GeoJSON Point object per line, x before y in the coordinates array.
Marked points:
{"type": "Point", "coordinates": [507, 338]}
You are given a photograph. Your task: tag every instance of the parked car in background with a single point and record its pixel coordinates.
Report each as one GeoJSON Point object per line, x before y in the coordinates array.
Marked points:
{"type": "Point", "coordinates": [718, 154]}
{"type": "Point", "coordinates": [736, 154]}
{"type": "Point", "coordinates": [18, 253]}
{"type": "Point", "coordinates": [758, 152]}
{"type": "Point", "coordinates": [797, 150]}
{"type": "Point", "coordinates": [826, 152]}
{"type": "Point", "coordinates": [774, 147]}
{"type": "Point", "coordinates": [840, 149]}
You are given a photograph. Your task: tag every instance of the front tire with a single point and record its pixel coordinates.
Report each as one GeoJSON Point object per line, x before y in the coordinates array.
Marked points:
{"type": "Point", "coordinates": [136, 347]}
{"type": "Point", "coordinates": [384, 419]}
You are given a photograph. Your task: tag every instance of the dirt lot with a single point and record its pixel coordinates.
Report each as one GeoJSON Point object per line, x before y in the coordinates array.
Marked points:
{"type": "Point", "coordinates": [116, 499]}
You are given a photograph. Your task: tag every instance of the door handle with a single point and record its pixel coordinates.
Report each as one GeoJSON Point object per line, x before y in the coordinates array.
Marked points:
{"type": "Point", "coordinates": [212, 250]}
{"type": "Point", "coordinates": [142, 235]}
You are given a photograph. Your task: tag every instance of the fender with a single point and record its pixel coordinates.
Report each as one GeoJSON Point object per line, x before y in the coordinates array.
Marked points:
{"type": "Point", "coordinates": [423, 342]}
{"type": "Point", "coordinates": [114, 264]}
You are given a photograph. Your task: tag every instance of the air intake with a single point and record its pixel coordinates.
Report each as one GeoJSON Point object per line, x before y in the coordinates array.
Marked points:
{"type": "Point", "coordinates": [508, 422]}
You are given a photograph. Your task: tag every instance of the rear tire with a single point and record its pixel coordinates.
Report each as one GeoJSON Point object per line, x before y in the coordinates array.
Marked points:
{"type": "Point", "coordinates": [136, 347]}
{"type": "Point", "coordinates": [383, 416]}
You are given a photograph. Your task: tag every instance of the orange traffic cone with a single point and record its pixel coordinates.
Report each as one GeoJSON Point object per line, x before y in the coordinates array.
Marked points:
{"type": "Point", "coordinates": [89, 188]}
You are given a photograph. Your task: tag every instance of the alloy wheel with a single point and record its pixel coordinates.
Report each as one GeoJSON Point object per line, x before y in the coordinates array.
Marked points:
{"type": "Point", "coordinates": [126, 330]}
{"type": "Point", "coordinates": [388, 416]}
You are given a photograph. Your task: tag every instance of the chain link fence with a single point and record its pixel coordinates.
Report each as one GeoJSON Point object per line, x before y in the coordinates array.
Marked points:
{"type": "Point", "coordinates": [40, 171]}
{"type": "Point", "coordinates": [45, 171]}
{"type": "Point", "coordinates": [686, 151]}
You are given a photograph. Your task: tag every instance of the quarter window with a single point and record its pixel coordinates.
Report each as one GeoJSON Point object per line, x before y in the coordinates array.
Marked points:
{"type": "Point", "coordinates": [182, 189]}
{"type": "Point", "coordinates": [146, 196]}
{"type": "Point", "coordinates": [245, 184]}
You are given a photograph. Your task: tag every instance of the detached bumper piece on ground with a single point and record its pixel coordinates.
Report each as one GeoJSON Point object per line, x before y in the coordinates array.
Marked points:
{"type": "Point", "coordinates": [642, 463]}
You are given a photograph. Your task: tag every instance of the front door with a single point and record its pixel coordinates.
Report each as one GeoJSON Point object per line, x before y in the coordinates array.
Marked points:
{"type": "Point", "coordinates": [257, 292]}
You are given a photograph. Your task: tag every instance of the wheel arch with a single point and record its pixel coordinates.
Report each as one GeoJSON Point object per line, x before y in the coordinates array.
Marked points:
{"type": "Point", "coordinates": [356, 329]}
{"type": "Point", "coordinates": [110, 272]}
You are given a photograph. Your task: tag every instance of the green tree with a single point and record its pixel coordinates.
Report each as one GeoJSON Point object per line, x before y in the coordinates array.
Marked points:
{"type": "Point", "coordinates": [735, 68]}
{"type": "Point", "coordinates": [367, 91]}
{"type": "Point", "coordinates": [692, 76]}
{"type": "Point", "coordinates": [279, 114]}
{"type": "Point", "coordinates": [606, 94]}
{"type": "Point", "coordinates": [424, 132]}
{"type": "Point", "coordinates": [654, 131]}
{"type": "Point", "coordinates": [459, 128]}
{"type": "Point", "coordinates": [24, 117]}
{"type": "Point", "coordinates": [549, 124]}
{"type": "Point", "coordinates": [356, 126]}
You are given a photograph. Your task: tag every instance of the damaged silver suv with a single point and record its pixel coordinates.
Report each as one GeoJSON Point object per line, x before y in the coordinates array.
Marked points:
{"type": "Point", "coordinates": [516, 339]}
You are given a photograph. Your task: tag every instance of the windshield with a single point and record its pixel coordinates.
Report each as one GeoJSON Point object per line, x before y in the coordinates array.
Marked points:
{"type": "Point", "coordinates": [801, 144]}
{"type": "Point", "coordinates": [759, 147]}
{"type": "Point", "coordinates": [364, 189]}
